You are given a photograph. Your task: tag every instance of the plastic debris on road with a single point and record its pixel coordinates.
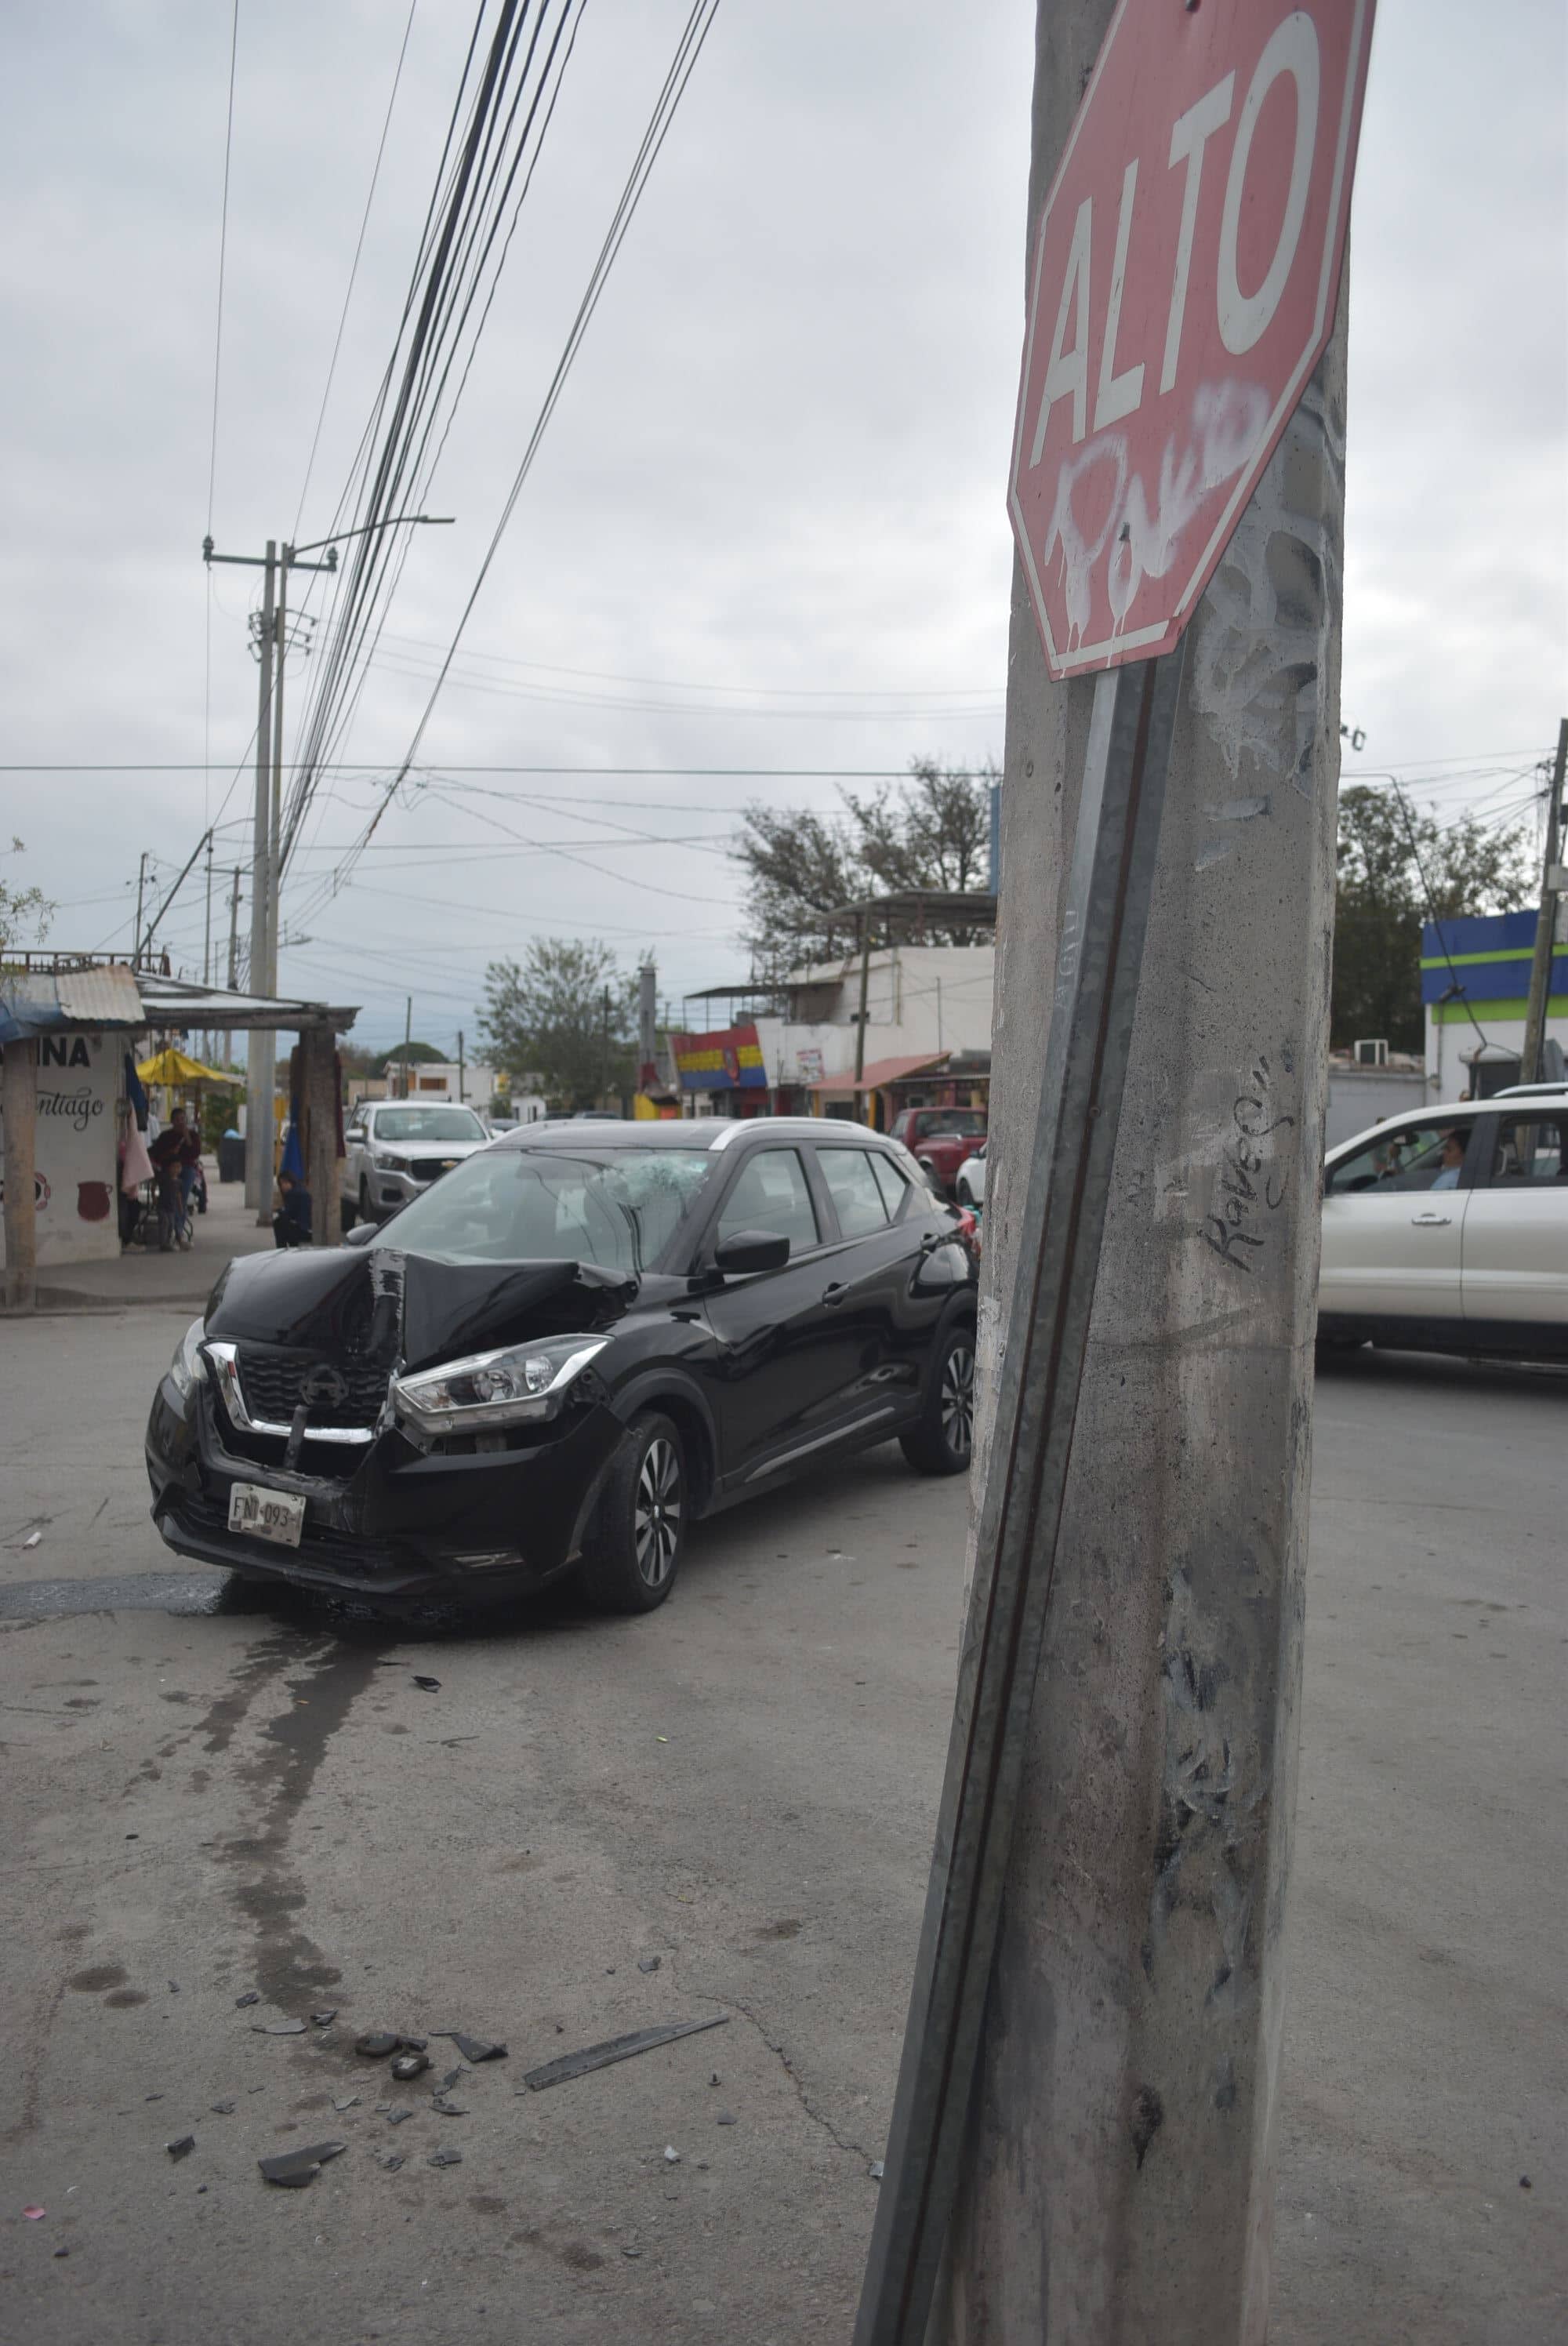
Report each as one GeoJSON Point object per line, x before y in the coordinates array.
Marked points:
{"type": "Point", "coordinates": [181, 2147]}
{"type": "Point", "coordinates": [410, 2065]}
{"type": "Point", "coordinates": [649, 1962]}
{"type": "Point", "coordinates": [472, 2048]}
{"type": "Point", "coordinates": [444, 2156]}
{"type": "Point", "coordinates": [292, 2169]}
{"type": "Point", "coordinates": [616, 2048]}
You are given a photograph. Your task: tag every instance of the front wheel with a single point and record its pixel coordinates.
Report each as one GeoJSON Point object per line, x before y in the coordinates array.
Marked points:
{"type": "Point", "coordinates": [633, 1549]}
{"type": "Point", "coordinates": [943, 1443]}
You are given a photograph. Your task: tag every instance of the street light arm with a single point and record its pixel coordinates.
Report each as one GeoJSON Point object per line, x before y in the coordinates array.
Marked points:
{"type": "Point", "coordinates": [430, 521]}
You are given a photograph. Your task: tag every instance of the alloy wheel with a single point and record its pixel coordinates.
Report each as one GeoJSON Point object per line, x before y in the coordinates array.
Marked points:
{"type": "Point", "coordinates": [957, 1400]}
{"type": "Point", "coordinates": [656, 1515]}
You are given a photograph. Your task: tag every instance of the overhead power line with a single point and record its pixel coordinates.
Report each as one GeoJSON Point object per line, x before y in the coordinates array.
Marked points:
{"type": "Point", "coordinates": [687, 50]}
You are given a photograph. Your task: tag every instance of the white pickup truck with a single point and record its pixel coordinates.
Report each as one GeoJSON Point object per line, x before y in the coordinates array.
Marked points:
{"type": "Point", "coordinates": [393, 1150]}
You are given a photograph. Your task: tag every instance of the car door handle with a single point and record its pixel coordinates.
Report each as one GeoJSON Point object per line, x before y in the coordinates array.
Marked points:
{"type": "Point", "coordinates": [834, 1295]}
{"type": "Point", "coordinates": [1431, 1221]}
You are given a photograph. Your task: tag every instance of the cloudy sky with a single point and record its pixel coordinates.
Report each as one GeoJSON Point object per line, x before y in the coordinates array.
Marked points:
{"type": "Point", "coordinates": [764, 543]}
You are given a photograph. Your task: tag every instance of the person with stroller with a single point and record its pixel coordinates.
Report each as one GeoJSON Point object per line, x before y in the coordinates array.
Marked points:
{"type": "Point", "coordinates": [175, 1156]}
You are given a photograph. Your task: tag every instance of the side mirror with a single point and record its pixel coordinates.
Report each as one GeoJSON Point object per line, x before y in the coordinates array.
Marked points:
{"type": "Point", "coordinates": [752, 1250]}
{"type": "Point", "coordinates": [361, 1235]}
{"type": "Point", "coordinates": [354, 1133]}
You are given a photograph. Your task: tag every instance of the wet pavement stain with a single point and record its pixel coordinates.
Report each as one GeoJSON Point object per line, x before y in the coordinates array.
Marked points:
{"type": "Point", "coordinates": [280, 1772]}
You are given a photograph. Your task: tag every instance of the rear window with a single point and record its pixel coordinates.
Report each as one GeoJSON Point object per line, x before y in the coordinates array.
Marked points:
{"type": "Point", "coordinates": [948, 1119]}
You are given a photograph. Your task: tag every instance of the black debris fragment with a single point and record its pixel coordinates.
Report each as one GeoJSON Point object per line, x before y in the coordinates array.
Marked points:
{"type": "Point", "coordinates": [324, 2019]}
{"type": "Point", "coordinates": [413, 2043]}
{"type": "Point", "coordinates": [714, 2079]}
{"type": "Point", "coordinates": [631, 2252]}
{"type": "Point", "coordinates": [616, 2048]}
{"type": "Point", "coordinates": [390, 2159]}
{"type": "Point", "coordinates": [278, 2027]}
{"type": "Point", "coordinates": [376, 2043]}
{"type": "Point", "coordinates": [648, 1963]}
{"type": "Point", "coordinates": [62, 2252]}
{"type": "Point", "coordinates": [472, 2048]}
{"type": "Point", "coordinates": [877, 2169]}
{"type": "Point", "coordinates": [174, 1987]}
{"type": "Point", "coordinates": [251, 1996]}
{"type": "Point", "coordinates": [410, 2065]}
{"type": "Point", "coordinates": [450, 2080]}
{"type": "Point", "coordinates": [444, 2156]}
{"type": "Point", "coordinates": [292, 2169]}
{"type": "Point", "coordinates": [223, 2110]}
{"type": "Point", "coordinates": [181, 2147]}
{"type": "Point", "coordinates": [430, 1686]}
{"type": "Point", "coordinates": [396, 2117]}
{"type": "Point", "coordinates": [349, 2102]}
{"type": "Point", "coordinates": [727, 2118]}
{"type": "Point", "coordinates": [448, 2109]}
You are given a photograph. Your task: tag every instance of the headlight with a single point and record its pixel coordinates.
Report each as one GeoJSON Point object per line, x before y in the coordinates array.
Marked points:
{"type": "Point", "coordinates": [502, 1388]}
{"type": "Point", "coordinates": [187, 1367]}
{"type": "Point", "coordinates": [385, 1164]}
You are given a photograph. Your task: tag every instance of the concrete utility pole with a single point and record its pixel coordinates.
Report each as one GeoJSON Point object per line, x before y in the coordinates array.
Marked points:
{"type": "Point", "coordinates": [1546, 921]}
{"type": "Point", "coordinates": [1117, 2182]}
{"type": "Point", "coordinates": [462, 1083]}
{"type": "Point", "coordinates": [259, 1077]}
{"type": "Point", "coordinates": [407, 1039]}
{"type": "Point", "coordinates": [234, 934]}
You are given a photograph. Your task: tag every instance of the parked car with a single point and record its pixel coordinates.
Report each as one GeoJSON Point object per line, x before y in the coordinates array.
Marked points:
{"type": "Point", "coordinates": [1449, 1232]}
{"type": "Point", "coordinates": [942, 1138]}
{"type": "Point", "coordinates": [565, 1351]}
{"type": "Point", "coordinates": [393, 1150]}
{"type": "Point", "coordinates": [970, 1185]}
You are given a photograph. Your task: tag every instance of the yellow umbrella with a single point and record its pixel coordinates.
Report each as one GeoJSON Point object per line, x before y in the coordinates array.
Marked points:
{"type": "Point", "coordinates": [171, 1066]}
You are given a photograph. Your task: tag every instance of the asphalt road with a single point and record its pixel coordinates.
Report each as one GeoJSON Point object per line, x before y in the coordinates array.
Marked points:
{"type": "Point", "coordinates": [203, 1803]}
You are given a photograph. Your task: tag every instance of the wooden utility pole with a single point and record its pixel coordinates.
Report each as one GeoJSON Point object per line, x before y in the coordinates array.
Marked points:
{"type": "Point", "coordinates": [20, 1109]}
{"type": "Point", "coordinates": [461, 1088]}
{"type": "Point", "coordinates": [407, 1040]}
{"type": "Point", "coordinates": [1546, 921]}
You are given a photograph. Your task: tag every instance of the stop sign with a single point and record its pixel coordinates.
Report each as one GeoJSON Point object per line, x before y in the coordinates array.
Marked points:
{"type": "Point", "coordinates": [1186, 271]}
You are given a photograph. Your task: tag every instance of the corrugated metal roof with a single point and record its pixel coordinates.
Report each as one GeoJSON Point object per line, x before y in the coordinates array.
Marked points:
{"type": "Point", "coordinates": [47, 1002]}
{"type": "Point", "coordinates": [106, 996]}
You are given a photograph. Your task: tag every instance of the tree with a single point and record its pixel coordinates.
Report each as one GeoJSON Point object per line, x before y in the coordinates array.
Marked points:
{"type": "Point", "coordinates": [564, 1018]}
{"type": "Point", "coordinates": [1390, 857]}
{"type": "Point", "coordinates": [933, 832]}
{"type": "Point", "coordinates": [22, 910]}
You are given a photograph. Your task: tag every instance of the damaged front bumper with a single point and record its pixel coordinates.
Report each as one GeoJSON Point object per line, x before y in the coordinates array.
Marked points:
{"type": "Point", "coordinates": [398, 1526]}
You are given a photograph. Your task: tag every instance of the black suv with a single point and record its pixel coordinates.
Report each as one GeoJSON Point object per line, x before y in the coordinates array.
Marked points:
{"type": "Point", "coordinates": [578, 1340]}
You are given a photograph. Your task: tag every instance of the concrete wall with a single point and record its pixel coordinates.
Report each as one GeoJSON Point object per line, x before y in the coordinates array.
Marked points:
{"type": "Point", "coordinates": [919, 998]}
{"type": "Point", "coordinates": [79, 1083]}
{"type": "Point", "coordinates": [1359, 1097]}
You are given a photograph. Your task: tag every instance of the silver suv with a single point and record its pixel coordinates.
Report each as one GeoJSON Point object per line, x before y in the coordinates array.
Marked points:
{"type": "Point", "coordinates": [393, 1150]}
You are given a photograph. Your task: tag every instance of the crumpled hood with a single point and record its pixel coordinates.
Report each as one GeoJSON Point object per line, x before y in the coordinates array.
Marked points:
{"type": "Point", "coordinates": [378, 1302]}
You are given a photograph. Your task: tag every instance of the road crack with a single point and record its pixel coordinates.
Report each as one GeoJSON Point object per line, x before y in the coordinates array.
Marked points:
{"type": "Point", "coordinates": [818, 2117]}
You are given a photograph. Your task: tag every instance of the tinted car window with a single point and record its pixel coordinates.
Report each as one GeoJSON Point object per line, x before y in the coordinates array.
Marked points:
{"type": "Point", "coordinates": [771, 1194]}
{"type": "Point", "coordinates": [891, 1181]}
{"type": "Point", "coordinates": [428, 1124]}
{"type": "Point", "coordinates": [854, 1189]}
{"type": "Point", "coordinates": [1531, 1150]}
{"type": "Point", "coordinates": [950, 1119]}
{"type": "Point", "coordinates": [620, 1208]}
{"type": "Point", "coordinates": [1415, 1158]}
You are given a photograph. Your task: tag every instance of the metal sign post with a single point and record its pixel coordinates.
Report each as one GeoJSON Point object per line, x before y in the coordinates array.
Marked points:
{"type": "Point", "coordinates": [1069, 1184]}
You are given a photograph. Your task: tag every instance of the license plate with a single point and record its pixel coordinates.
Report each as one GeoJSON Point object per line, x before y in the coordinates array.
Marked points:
{"type": "Point", "coordinates": [275, 1515]}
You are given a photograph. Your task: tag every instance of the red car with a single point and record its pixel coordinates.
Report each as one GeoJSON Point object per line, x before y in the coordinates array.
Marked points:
{"type": "Point", "coordinates": [942, 1137]}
